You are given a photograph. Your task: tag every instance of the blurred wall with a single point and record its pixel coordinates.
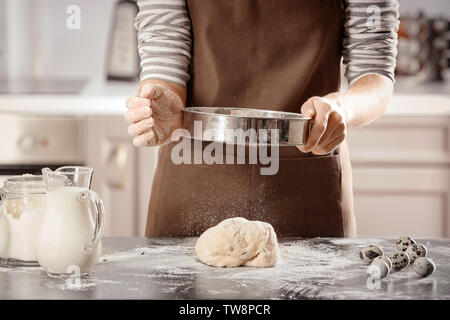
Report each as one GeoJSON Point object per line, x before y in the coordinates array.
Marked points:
{"type": "Point", "coordinates": [430, 7]}
{"type": "Point", "coordinates": [40, 44]}
{"type": "Point", "coordinates": [76, 52]}
{"type": "Point", "coordinates": [2, 39]}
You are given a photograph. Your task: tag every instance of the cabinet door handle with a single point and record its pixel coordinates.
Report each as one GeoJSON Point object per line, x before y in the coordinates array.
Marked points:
{"type": "Point", "coordinates": [115, 166]}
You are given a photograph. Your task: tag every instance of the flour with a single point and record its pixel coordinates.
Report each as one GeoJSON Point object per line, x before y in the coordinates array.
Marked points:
{"type": "Point", "coordinates": [310, 268]}
{"type": "Point", "coordinates": [360, 242]}
{"type": "Point", "coordinates": [18, 221]}
{"type": "Point", "coordinates": [441, 249]}
{"type": "Point", "coordinates": [78, 285]}
{"type": "Point", "coordinates": [303, 260]}
{"type": "Point", "coordinates": [176, 260]}
{"type": "Point", "coordinates": [31, 270]}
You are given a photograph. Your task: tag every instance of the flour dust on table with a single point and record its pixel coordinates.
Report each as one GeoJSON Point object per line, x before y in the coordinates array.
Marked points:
{"type": "Point", "coordinates": [167, 268]}
{"type": "Point", "coordinates": [238, 242]}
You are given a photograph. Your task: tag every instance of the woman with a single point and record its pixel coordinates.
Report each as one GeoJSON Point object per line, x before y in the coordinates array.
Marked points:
{"type": "Point", "coordinates": [276, 55]}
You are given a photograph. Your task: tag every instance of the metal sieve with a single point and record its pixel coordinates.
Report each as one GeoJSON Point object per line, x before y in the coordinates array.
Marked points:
{"type": "Point", "coordinates": [245, 125]}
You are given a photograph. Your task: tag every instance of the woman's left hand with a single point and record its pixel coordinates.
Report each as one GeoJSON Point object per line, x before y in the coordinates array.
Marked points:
{"type": "Point", "coordinates": [329, 129]}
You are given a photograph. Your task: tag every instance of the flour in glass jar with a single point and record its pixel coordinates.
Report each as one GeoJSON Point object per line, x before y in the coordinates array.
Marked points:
{"type": "Point", "coordinates": [18, 221]}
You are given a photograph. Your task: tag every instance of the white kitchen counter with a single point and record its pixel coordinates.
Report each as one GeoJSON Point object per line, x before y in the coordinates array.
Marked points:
{"type": "Point", "coordinates": [99, 99]}
{"type": "Point", "coordinates": [96, 99]}
{"type": "Point", "coordinates": [63, 105]}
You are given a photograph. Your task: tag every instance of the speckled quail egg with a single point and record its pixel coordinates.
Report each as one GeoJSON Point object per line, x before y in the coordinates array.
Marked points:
{"type": "Point", "coordinates": [399, 260]}
{"type": "Point", "coordinates": [367, 254]}
{"type": "Point", "coordinates": [378, 269]}
{"type": "Point", "coordinates": [404, 242]}
{"type": "Point", "coordinates": [424, 266]}
{"type": "Point", "coordinates": [416, 250]}
{"type": "Point", "coordinates": [385, 259]}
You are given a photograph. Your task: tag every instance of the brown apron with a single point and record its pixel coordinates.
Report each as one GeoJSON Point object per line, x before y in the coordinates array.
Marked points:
{"type": "Point", "coordinates": [272, 55]}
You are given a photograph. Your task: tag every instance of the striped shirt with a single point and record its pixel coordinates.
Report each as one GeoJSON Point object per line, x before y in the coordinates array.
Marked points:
{"type": "Point", "coordinates": [164, 39]}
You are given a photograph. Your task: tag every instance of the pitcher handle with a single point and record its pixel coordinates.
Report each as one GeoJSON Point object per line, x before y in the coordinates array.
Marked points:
{"type": "Point", "coordinates": [97, 206]}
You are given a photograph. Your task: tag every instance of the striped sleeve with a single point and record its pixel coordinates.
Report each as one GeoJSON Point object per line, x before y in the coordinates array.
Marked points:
{"type": "Point", "coordinates": [370, 37]}
{"type": "Point", "coordinates": [164, 40]}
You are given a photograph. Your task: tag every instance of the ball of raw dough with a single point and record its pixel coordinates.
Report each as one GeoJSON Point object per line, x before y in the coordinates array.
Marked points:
{"type": "Point", "coordinates": [238, 242]}
{"type": "Point", "coordinates": [399, 260]}
{"type": "Point", "coordinates": [404, 242]}
{"type": "Point", "coordinates": [416, 250]}
{"type": "Point", "coordinates": [367, 254]}
{"type": "Point", "coordinates": [385, 259]}
{"type": "Point", "coordinates": [424, 266]}
{"type": "Point", "coordinates": [379, 269]}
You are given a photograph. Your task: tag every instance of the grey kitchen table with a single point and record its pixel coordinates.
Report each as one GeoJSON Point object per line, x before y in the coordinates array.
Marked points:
{"type": "Point", "coordinates": [166, 268]}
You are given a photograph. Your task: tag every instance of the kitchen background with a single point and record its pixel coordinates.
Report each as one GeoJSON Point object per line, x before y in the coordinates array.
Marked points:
{"type": "Point", "coordinates": [64, 81]}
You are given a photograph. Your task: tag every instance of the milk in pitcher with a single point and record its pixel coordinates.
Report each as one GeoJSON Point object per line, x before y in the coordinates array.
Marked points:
{"type": "Point", "coordinates": [66, 229]}
{"type": "Point", "coordinates": [72, 222]}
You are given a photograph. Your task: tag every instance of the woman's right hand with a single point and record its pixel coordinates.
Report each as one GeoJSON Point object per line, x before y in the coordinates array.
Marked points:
{"type": "Point", "coordinates": [154, 114]}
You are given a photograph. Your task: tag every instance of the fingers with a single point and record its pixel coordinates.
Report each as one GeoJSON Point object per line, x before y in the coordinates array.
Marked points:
{"type": "Point", "coordinates": [137, 114]}
{"type": "Point", "coordinates": [138, 109]}
{"type": "Point", "coordinates": [144, 139]}
{"type": "Point", "coordinates": [151, 91]}
{"type": "Point", "coordinates": [329, 126]}
{"type": "Point", "coordinates": [153, 115]}
{"type": "Point", "coordinates": [136, 102]}
{"type": "Point", "coordinates": [162, 100]}
{"type": "Point", "coordinates": [319, 125]}
{"type": "Point", "coordinates": [336, 126]}
{"type": "Point", "coordinates": [140, 127]}
{"type": "Point", "coordinates": [330, 146]}
{"type": "Point", "coordinates": [307, 109]}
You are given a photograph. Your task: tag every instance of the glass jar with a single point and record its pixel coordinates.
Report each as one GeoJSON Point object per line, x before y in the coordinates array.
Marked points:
{"type": "Point", "coordinates": [19, 220]}
{"type": "Point", "coordinates": [2, 198]}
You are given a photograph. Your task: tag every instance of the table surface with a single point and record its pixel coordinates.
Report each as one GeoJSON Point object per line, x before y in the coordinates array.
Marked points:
{"type": "Point", "coordinates": [319, 268]}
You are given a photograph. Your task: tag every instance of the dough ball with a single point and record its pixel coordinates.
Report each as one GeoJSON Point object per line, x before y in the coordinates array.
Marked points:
{"type": "Point", "coordinates": [399, 260]}
{"type": "Point", "coordinates": [416, 250]}
{"type": "Point", "coordinates": [379, 269]}
{"type": "Point", "coordinates": [424, 266]}
{"type": "Point", "coordinates": [238, 242]}
{"type": "Point", "coordinates": [404, 242]}
{"type": "Point", "coordinates": [367, 254]}
{"type": "Point", "coordinates": [384, 259]}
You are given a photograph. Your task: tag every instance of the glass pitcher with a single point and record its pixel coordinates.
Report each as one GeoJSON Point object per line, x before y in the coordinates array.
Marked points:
{"type": "Point", "coordinates": [72, 222]}
{"type": "Point", "coordinates": [2, 198]}
{"type": "Point", "coordinates": [23, 202]}
{"type": "Point", "coordinates": [3, 238]}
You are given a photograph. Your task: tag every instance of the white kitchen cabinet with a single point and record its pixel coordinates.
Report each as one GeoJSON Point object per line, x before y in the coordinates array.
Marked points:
{"type": "Point", "coordinates": [401, 176]}
{"type": "Point", "coordinates": [122, 176]}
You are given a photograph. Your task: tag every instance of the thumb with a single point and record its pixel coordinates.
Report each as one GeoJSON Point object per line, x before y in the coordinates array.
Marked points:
{"type": "Point", "coordinates": [150, 91]}
{"type": "Point", "coordinates": [308, 109]}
